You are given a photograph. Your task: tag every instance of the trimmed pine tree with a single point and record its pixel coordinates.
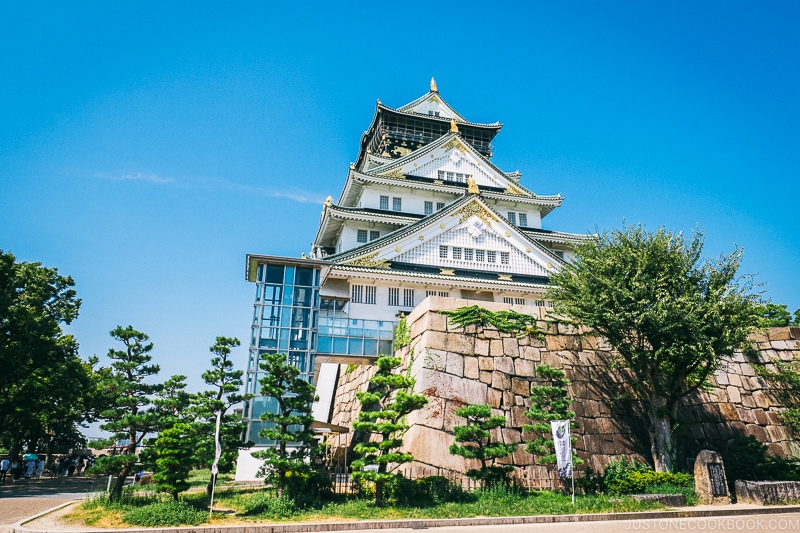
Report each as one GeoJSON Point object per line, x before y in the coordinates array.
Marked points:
{"type": "Point", "coordinates": [474, 441]}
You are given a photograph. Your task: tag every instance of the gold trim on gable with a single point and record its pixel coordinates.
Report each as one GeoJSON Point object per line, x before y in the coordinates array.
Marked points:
{"type": "Point", "coordinates": [453, 143]}
{"type": "Point", "coordinates": [447, 271]}
{"type": "Point", "coordinates": [504, 277]}
{"type": "Point", "coordinates": [370, 261]}
{"type": "Point", "coordinates": [476, 209]}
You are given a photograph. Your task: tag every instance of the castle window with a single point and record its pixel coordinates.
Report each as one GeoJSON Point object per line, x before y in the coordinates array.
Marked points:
{"type": "Point", "coordinates": [385, 203]}
{"type": "Point", "coordinates": [397, 204]}
{"type": "Point", "coordinates": [428, 208]}
{"type": "Point", "coordinates": [512, 217]}
{"type": "Point", "coordinates": [479, 255]}
{"type": "Point", "coordinates": [394, 296]}
{"type": "Point", "coordinates": [491, 256]}
{"type": "Point", "coordinates": [441, 174]}
{"type": "Point", "coordinates": [357, 293]}
{"type": "Point", "coordinates": [468, 254]}
{"type": "Point", "coordinates": [451, 176]}
{"type": "Point", "coordinates": [408, 297]}
{"type": "Point", "coordinates": [362, 236]}
{"type": "Point", "coordinates": [456, 252]}
{"type": "Point", "coordinates": [442, 251]}
{"type": "Point", "coordinates": [439, 206]}
{"type": "Point", "coordinates": [559, 254]}
{"type": "Point", "coordinates": [370, 295]}
{"type": "Point", "coordinates": [519, 301]}
{"type": "Point", "coordinates": [374, 235]}
{"type": "Point", "coordinates": [504, 258]}
{"type": "Point", "coordinates": [523, 220]}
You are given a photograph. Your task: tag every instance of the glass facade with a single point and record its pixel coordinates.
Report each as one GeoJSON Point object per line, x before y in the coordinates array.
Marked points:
{"type": "Point", "coordinates": [284, 321]}
{"type": "Point", "coordinates": [290, 317]}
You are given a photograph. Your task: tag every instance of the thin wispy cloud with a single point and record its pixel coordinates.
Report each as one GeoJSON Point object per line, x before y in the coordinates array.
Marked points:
{"type": "Point", "coordinates": [217, 184]}
{"type": "Point", "coordinates": [139, 176]}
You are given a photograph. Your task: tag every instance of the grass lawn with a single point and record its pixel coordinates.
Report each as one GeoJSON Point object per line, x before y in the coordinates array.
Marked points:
{"type": "Point", "coordinates": [236, 506]}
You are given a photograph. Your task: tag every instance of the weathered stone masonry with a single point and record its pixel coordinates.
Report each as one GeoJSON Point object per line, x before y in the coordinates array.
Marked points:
{"type": "Point", "coordinates": [455, 366]}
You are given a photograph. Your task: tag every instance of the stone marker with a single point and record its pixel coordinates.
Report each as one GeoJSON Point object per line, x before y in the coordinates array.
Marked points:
{"type": "Point", "coordinates": [710, 483]}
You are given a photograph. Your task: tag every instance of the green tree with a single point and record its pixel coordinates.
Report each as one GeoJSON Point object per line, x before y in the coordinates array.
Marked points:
{"type": "Point", "coordinates": [43, 385]}
{"type": "Point", "coordinates": [132, 416]}
{"type": "Point", "coordinates": [384, 406]}
{"type": "Point", "coordinates": [549, 402]}
{"type": "Point", "coordinates": [784, 382]}
{"type": "Point", "coordinates": [475, 442]}
{"type": "Point", "coordinates": [226, 389]}
{"type": "Point", "coordinates": [669, 315]}
{"type": "Point", "coordinates": [775, 316]}
{"type": "Point", "coordinates": [174, 450]}
{"type": "Point", "coordinates": [289, 425]}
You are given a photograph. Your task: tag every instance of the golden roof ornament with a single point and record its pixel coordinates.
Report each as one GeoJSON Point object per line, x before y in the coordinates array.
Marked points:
{"type": "Point", "coordinates": [472, 187]}
{"type": "Point", "coordinates": [453, 126]}
{"type": "Point", "coordinates": [328, 201]}
{"type": "Point", "coordinates": [434, 89]}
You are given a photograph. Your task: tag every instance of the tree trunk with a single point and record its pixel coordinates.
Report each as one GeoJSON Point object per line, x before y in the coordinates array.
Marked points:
{"type": "Point", "coordinates": [662, 445]}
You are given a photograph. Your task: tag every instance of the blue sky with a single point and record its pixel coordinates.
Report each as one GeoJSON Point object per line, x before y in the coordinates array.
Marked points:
{"type": "Point", "coordinates": [146, 148]}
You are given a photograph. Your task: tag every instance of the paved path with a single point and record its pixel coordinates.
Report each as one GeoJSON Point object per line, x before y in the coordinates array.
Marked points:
{"type": "Point", "coordinates": [26, 498]}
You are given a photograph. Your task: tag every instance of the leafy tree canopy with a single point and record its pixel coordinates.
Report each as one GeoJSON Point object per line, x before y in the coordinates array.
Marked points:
{"type": "Point", "coordinates": [669, 314]}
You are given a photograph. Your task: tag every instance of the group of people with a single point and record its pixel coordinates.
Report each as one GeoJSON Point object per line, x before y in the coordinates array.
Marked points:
{"type": "Point", "coordinates": [32, 468]}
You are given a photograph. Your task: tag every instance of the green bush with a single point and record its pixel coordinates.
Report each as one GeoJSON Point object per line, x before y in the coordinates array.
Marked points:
{"type": "Point", "coordinates": [268, 505]}
{"type": "Point", "coordinates": [620, 469]}
{"type": "Point", "coordinates": [432, 490]}
{"type": "Point", "coordinates": [637, 482]}
{"type": "Point", "coordinates": [671, 488]}
{"type": "Point", "coordinates": [164, 514]}
{"type": "Point", "coordinates": [307, 489]}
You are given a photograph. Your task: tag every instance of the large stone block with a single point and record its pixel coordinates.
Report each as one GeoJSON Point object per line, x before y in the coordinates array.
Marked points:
{"type": "Point", "coordinates": [523, 368]}
{"type": "Point", "coordinates": [431, 446]}
{"type": "Point", "coordinates": [481, 347]}
{"type": "Point", "coordinates": [486, 363]}
{"type": "Point", "coordinates": [767, 492]}
{"type": "Point", "coordinates": [531, 353]}
{"type": "Point", "coordinates": [496, 348]}
{"type": "Point", "coordinates": [511, 347]}
{"type": "Point", "coordinates": [520, 386]}
{"type": "Point", "coordinates": [504, 364]}
{"type": "Point", "coordinates": [471, 368]}
{"type": "Point", "coordinates": [445, 385]}
{"type": "Point", "coordinates": [485, 377]}
{"type": "Point", "coordinates": [733, 394]}
{"type": "Point", "coordinates": [501, 381]}
{"type": "Point", "coordinates": [455, 364]}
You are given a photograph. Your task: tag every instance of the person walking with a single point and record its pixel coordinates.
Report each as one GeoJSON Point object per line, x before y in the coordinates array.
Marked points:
{"type": "Point", "coordinates": [5, 464]}
{"type": "Point", "coordinates": [39, 468]}
{"type": "Point", "coordinates": [30, 468]}
{"type": "Point", "coordinates": [16, 470]}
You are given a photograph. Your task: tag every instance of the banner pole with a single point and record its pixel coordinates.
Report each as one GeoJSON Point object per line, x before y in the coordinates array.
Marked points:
{"type": "Point", "coordinates": [573, 487]}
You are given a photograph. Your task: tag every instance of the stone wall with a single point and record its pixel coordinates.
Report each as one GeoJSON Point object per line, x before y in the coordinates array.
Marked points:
{"type": "Point", "coordinates": [455, 366]}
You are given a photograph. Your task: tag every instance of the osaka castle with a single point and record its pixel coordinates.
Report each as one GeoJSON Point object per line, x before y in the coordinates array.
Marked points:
{"type": "Point", "coordinates": [423, 212]}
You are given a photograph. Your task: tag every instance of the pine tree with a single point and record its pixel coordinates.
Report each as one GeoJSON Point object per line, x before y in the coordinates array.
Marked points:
{"type": "Point", "coordinates": [131, 416]}
{"type": "Point", "coordinates": [226, 389]}
{"type": "Point", "coordinates": [549, 402]}
{"type": "Point", "coordinates": [475, 440]}
{"type": "Point", "coordinates": [173, 450]}
{"type": "Point", "coordinates": [384, 406]}
{"type": "Point", "coordinates": [290, 424]}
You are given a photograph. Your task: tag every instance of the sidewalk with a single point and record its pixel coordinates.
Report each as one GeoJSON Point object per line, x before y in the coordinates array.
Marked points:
{"type": "Point", "coordinates": [24, 499]}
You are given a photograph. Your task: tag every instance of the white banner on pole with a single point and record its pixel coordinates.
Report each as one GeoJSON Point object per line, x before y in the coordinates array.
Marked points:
{"type": "Point", "coordinates": [563, 447]}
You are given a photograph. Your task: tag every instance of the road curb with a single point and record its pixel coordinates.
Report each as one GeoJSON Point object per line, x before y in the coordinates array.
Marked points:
{"type": "Point", "coordinates": [424, 523]}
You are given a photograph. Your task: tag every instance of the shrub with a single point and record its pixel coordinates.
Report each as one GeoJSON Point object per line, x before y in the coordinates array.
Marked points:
{"type": "Point", "coordinates": [637, 482]}
{"type": "Point", "coordinates": [164, 514]}
{"type": "Point", "coordinates": [268, 505]}
{"type": "Point", "coordinates": [432, 490]}
{"type": "Point", "coordinates": [620, 468]}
